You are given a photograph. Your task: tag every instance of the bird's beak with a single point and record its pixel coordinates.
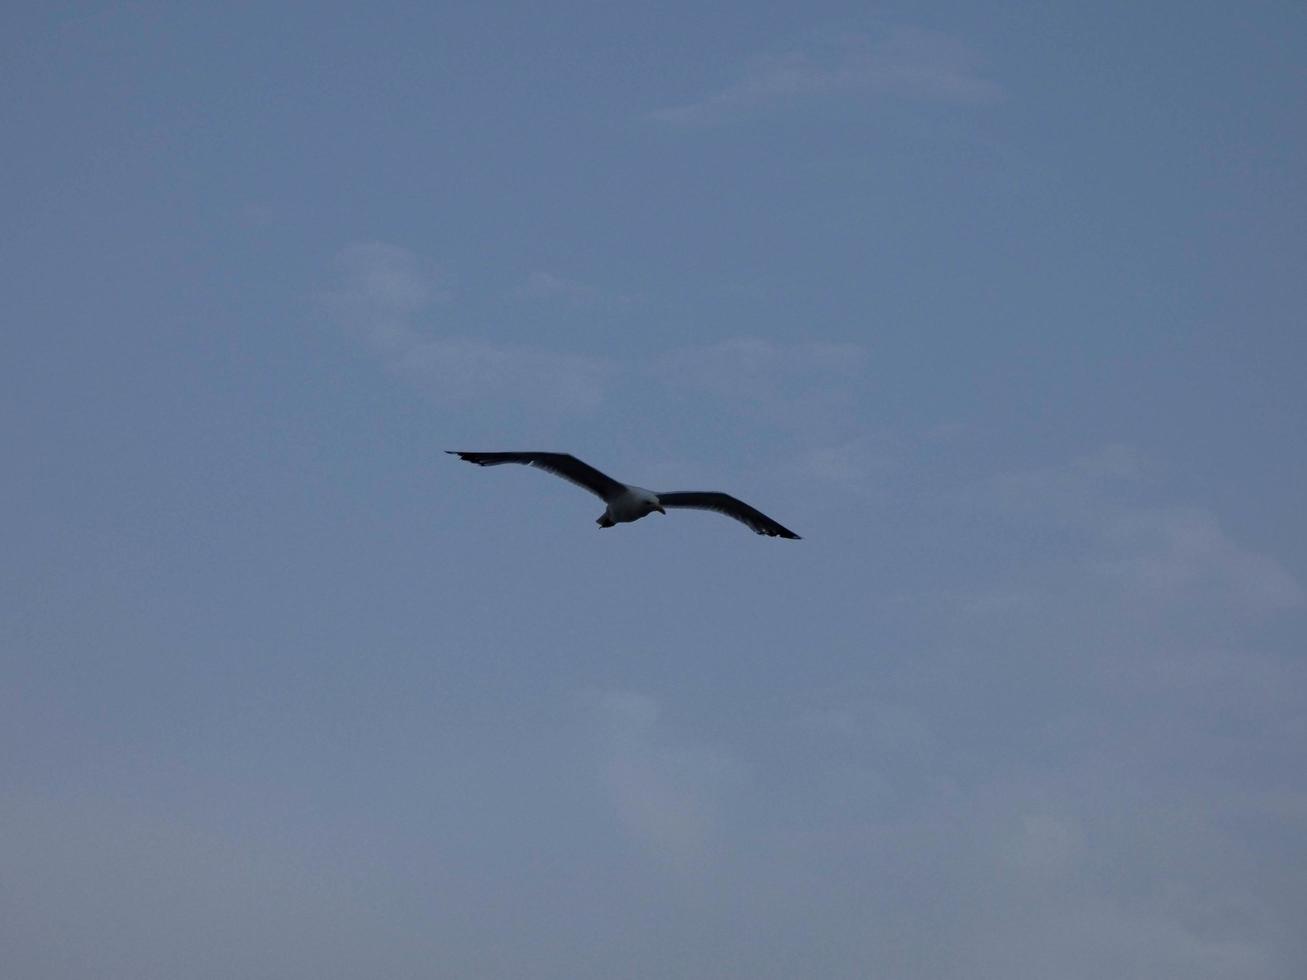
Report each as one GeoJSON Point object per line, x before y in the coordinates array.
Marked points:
{"type": "Point", "coordinates": [660, 510]}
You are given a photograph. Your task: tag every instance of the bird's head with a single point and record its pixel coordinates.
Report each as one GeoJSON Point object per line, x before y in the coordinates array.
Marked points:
{"type": "Point", "coordinates": [656, 505]}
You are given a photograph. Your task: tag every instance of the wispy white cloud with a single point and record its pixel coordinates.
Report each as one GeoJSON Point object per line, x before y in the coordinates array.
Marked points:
{"type": "Point", "coordinates": [1183, 552]}
{"type": "Point", "coordinates": [666, 789]}
{"type": "Point", "coordinates": [857, 464]}
{"type": "Point", "coordinates": [401, 306]}
{"type": "Point", "coordinates": [909, 64]}
{"type": "Point", "coordinates": [385, 294]}
{"type": "Point", "coordinates": [1076, 491]}
{"type": "Point", "coordinates": [1160, 552]}
{"type": "Point", "coordinates": [748, 367]}
{"type": "Point", "coordinates": [1113, 462]}
{"type": "Point", "coordinates": [381, 289]}
{"type": "Point", "coordinates": [1045, 844]}
{"type": "Point", "coordinates": [540, 285]}
{"type": "Point", "coordinates": [470, 370]}
{"type": "Point", "coordinates": [798, 386]}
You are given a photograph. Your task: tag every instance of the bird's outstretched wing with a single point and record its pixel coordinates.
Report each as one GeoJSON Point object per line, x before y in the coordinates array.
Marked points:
{"type": "Point", "coordinates": [724, 503]}
{"type": "Point", "coordinates": [560, 464]}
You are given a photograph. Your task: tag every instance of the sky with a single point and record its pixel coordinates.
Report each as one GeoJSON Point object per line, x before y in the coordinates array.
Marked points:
{"type": "Point", "coordinates": [999, 305]}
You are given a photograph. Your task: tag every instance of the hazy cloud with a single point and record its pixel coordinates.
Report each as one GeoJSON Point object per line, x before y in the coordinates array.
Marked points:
{"type": "Point", "coordinates": [401, 304]}
{"type": "Point", "coordinates": [541, 285]}
{"type": "Point", "coordinates": [909, 64]}
{"type": "Point", "coordinates": [471, 370]}
{"type": "Point", "coordinates": [1169, 552]}
{"type": "Point", "coordinates": [1084, 853]}
{"type": "Point", "coordinates": [1166, 553]}
{"type": "Point", "coordinates": [749, 367]}
{"type": "Point", "coordinates": [381, 289]}
{"type": "Point", "coordinates": [666, 790]}
{"type": "Point", "coordinates": [1182, 552]}
{"type": "Point", "coordinates": [385, 294]}
{"type": "Point", "coordinates": [288, 693]}
{"type": "Point", "coordinates": [801, 386]}
{"type": "Point", "coordinates": [858, 464]}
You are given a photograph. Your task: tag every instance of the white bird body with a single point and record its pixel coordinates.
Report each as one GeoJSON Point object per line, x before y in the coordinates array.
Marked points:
{"type": "Point", "coordinates": [631, 505]}
{"type": "Point", "coordinates": [627, 503]}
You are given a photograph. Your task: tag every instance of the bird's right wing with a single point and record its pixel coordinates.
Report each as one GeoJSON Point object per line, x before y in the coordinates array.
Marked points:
{"type": "Point", "coordinates": [560, 464]}
{"type": "Point", "coordinates": [724, 503]}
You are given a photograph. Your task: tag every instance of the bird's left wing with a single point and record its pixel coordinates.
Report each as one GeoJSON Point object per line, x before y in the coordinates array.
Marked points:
{"type": "Point", "coordinates": [560, 464]}
{"type": "Point", "coordinates": [724, 503]}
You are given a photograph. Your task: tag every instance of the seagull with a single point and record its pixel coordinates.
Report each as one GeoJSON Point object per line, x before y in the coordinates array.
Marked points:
{"type": "Point", "coordinates": [629, 503]}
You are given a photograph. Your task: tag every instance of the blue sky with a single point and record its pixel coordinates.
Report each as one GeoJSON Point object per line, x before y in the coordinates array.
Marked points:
{"type": "Point", "coordinates": [1000, 306]}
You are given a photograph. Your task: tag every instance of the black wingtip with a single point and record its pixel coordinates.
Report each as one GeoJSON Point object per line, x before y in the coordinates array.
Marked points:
{"type": "Point", "coordinates": [469, 456]}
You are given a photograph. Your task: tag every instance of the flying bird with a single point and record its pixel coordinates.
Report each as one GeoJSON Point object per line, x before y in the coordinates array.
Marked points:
{"type": "Point", "coordinates": [628, 503]}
